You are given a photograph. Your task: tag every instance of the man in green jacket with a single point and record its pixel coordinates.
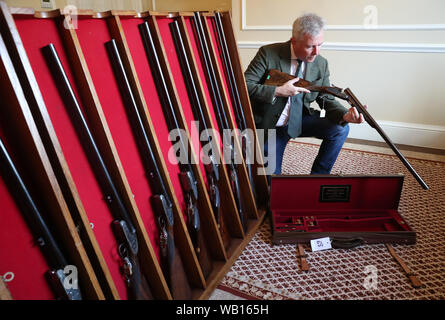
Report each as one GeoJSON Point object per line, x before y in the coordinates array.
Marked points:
{"type": "Point", "coordinates": [287, 108]}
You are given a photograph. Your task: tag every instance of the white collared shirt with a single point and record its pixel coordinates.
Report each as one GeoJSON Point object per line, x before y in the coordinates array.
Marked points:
{"type": "Point", "coordinates": [284, 117]}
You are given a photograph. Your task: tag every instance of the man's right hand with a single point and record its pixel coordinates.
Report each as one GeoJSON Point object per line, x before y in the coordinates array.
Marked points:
{"type": "Point", "coordinates": [288, 89]}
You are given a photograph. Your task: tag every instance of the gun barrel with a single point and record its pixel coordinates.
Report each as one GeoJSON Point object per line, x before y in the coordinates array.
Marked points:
{"type": "Point", "coordinates": [123, 228]}
{"type": "Point", "coordinates": [63, 85]}
{"type": "Point", "coordinates": [191, 87]}
{"type": "Point", "coordinates": [221, 116]}
{"type": "Point", "coordinates": [157, 183]}
{"type": "Point", "coordinates": [167, 104]}
{"type": "Point", "coordinates": [39, 228]}
{"type": "Point", "coordinates": [370, 120]}
{"type": "Point", "coordinates": [236, 100]}
{"type": "Point", "coordinates": [31, 213]}
{"type": "Point", "coordinates": [239, 112]}
{"type": "Point", "coordinates": [211, 75]}
{"type": "Point", "coordinates": [187, 73]}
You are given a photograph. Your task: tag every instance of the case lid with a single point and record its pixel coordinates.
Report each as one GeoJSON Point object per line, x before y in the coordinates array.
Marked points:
{"type": "Point", "coordinates": [335, 192]}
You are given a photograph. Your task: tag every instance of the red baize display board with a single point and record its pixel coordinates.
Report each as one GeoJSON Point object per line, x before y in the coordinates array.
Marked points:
{"type": "Point", "coordinates": [219, 58]}
{"type": "Point", "coordinates": [22, 264]}
{"type": "Point", "coordinates": [92, 35]}
{"type": "Point", "coordinates": [35, 34]}
{"type": "Point", "coordinates": [167, 41]}
{"type": "Point", "coordinates": [306, 207]}
{"type": "Point", "coordinates": [155, 108]}
{"type": "Point", "coordinates": [194, 46]}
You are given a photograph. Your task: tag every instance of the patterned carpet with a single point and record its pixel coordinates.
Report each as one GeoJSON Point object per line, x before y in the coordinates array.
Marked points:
{"type": "Point", "coordinates": [268, 272]}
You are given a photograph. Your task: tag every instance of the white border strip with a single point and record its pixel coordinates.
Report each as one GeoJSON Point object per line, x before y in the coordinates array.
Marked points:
{"type": "Point", "coordinates": [352, 27]}
{"type": "Point", "coordinates": [363, 46]}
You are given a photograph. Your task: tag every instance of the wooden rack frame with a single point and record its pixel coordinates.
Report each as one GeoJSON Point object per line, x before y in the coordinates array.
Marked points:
{"type": "Point", "coordinates": [78, 59]}
{"type": "Point", "coordinates": [232, 44]}
{"type": "Point", "coordinates": [23, 132]}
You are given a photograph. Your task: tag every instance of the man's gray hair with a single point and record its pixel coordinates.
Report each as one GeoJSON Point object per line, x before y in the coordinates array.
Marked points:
{"type": "Point", "coordinates": [308, 23]}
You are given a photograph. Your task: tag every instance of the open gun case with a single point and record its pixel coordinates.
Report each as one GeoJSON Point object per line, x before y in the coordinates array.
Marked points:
{"type": "Point", "coordinates": [81, 207]}
{"type": "Point", "coordinates": [349, 209]}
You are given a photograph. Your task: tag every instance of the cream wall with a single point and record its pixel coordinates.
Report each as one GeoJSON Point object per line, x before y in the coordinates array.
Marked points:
{"type": "Point", "coordinates": [391, 54]}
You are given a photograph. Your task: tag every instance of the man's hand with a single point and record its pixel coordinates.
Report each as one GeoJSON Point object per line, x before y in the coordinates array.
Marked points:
{"type": "Point", "coordinates": [353, 116]}
{"type": "Point", "coordinates": [288, 89]}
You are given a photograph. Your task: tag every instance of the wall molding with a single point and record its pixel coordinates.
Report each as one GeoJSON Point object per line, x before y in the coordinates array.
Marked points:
{"type": "Point", "coordinates": [382, 27]}
{"type": "Point", "coordinates": [363, 46]}
{"type": "Point", "coordinates": [420, 135]}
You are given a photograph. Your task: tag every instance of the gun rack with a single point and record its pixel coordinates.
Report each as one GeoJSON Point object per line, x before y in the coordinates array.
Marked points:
{"type": "Point", "coordinates": [45, 143]}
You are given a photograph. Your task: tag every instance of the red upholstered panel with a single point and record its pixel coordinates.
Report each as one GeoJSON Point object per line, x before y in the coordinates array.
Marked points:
{"type": "Point", "coordinates": [373, 193]}
{"type": "Point", "coordinates": [194, 44]}
{"type": "Point", "coordinates": [214, 35]}
{"type": "Point", "coordinates": [155, 109]}
{"type": "Point", "coordinates": [19, 254]}
{"type": "Point", "coordinates": [169, 46]}
{"type": "Point", "coordinates": [36, 33]}
{"type": "Point", "coordinates": [295, 201]}
{"type": "Point", "coordinates": [92, 34]}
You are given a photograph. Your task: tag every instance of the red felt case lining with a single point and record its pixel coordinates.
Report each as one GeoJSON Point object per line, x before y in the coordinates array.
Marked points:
{"type": "Point", "coordinates": [297, 206]}
{"type": "Point", "coordinates": [35, 34]}
{"type": "Point", "coordinates": [21, 260]}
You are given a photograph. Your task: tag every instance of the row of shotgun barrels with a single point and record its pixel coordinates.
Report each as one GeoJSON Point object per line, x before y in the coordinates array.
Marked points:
{"type": "Point", "coordinates": [123, 226]}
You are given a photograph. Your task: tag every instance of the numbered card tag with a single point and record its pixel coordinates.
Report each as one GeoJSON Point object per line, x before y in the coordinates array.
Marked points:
{"type": "Point", "coordinates": [321, 244]}
{"type": "Point", "coordinates": [322, 113]}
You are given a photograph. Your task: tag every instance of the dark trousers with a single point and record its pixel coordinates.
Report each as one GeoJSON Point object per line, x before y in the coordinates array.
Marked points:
{"type": "Point", "coordinates": [333, 136]}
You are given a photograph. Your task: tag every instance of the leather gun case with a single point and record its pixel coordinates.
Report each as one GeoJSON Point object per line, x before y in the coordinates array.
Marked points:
{"type": "Point", "coordinates": [349, 209]}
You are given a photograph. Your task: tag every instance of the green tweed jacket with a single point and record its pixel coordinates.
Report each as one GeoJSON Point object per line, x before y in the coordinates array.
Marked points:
{"type": "Point", "coordinates": [266, 109]}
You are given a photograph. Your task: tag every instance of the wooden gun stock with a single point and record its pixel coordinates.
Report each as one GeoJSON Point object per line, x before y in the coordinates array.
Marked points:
{"type": "Point", "coordinates": [278, 78]}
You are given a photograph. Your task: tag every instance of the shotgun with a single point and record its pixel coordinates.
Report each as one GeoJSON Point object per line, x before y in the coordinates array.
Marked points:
{"type": "Point", "coordinates": [235, 98]}
{"type": "Point", "coordinates": [197, 108]}
{"type": "Point", "coordinates": [160, 200]}
{"type": "Point", "coordinates": [221, 117]}
{"type": "Point", "coordinates": [57, 262]}
{"type": "Point", "coordinates": [187, 178]}
{"type": "Point", "coordinates": [122, 226]}
{"type": "Point", "coordinates": [278, 78]}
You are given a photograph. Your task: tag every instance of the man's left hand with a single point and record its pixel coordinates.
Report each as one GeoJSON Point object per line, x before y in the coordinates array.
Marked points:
{"type": "Point", "coordinates": [353, 116]}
